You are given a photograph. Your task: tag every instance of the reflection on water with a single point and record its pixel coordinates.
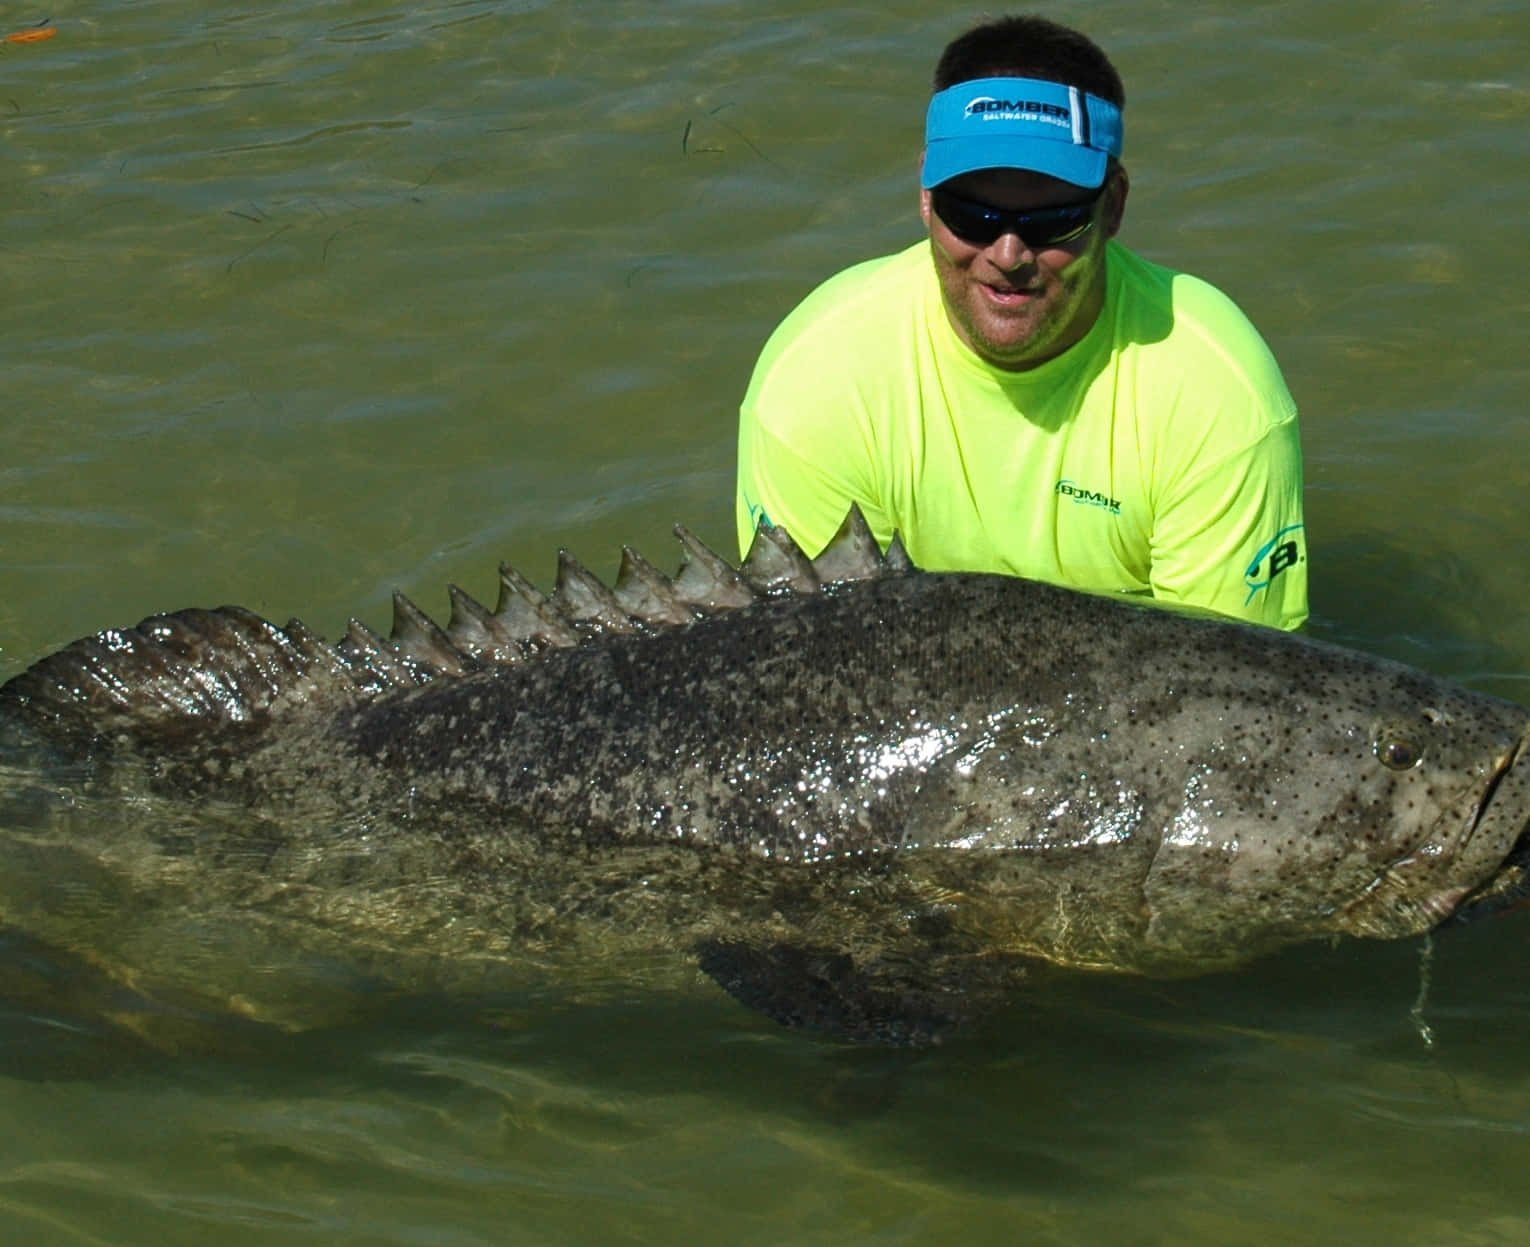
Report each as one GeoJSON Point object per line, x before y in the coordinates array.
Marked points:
{"type": "Point", "coordinates": [302, 306]}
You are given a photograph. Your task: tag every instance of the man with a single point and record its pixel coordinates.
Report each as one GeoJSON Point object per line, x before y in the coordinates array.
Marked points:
{"type": "Point", "coordinates": [1021, 393]}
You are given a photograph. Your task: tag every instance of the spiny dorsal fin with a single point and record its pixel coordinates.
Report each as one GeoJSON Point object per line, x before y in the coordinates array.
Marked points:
{"type": "Point", "coordinates": [776, 564]}
{"type": "Point", "coordinates": [582, 598]}
{"type": "Point", "coordinates": [646, 593]}
{"type": "Point", "coordinates": [363, 648]}
{"type": "Point", "coordinates": [896, 558]}
{"type": "Point", "coordinates": [527, 615]}
{"type": "Point", "coordinates": [707, 580]}
{"type": "Point", "coordinates": [229, 664]}
{"type": "Point", "coordinates": [852, 553]}
{"type": "Point", "coordinates": [416, 637]}
{"type": "Point", "coordinates": [474, 630]}
{"type": "Point", "coordinates": [327, 664]}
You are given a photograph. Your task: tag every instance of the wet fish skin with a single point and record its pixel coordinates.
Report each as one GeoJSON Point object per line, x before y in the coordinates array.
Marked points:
{"type": "Point", "coordinates": [868, 805]}
{"type": "Point", "coordinates": [1228, 786]}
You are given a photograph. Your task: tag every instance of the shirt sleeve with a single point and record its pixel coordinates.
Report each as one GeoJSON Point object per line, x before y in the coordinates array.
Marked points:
{"type": "Point", "coordinates": [803, 457]}
{"type": "Point", "coordinates": [778, 486]}
{"type": "Point", "coordinates": [1231, 538]}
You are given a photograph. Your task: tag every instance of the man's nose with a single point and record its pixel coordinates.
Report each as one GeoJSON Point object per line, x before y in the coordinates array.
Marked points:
{"type": "Point", "coordinates": [1008, 251]}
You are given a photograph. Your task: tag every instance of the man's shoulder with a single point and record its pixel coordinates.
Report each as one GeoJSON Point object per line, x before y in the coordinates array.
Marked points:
{"type": "Point", "coordinates": [846, 336]}
{"type": "Point", "coordinates": [861, 299]}
{"type": "Point", "coordinates": [1151, 289]}
{"type": "Point", "coordinates": [1189, 327]}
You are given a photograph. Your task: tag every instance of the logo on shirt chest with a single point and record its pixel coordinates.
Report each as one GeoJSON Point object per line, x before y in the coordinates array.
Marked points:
{"type": "Point", "coordinates": [1087, 497]}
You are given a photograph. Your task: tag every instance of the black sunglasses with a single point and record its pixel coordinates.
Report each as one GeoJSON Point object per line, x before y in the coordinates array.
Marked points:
{"type": "Point", "coordinates": [981, 224]}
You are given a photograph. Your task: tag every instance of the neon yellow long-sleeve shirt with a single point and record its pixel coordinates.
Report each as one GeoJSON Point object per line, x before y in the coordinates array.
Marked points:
{"type": "Point", "coordinates": [1159, 455]}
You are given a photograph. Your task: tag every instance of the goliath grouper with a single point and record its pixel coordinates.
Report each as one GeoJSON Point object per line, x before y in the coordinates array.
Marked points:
{"type": "Point", "coordinates": [863, 798]}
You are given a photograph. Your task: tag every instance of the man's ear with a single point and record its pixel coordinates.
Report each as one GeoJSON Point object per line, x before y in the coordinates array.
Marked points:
{"type": "Point", "coordinates": [1115, 204]}
{"type": "Point", "coordinates": [924, 195]}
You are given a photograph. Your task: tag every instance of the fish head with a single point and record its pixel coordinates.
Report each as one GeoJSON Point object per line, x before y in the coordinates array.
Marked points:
{"type": "Point", "coordinates": [1367, 799]}
{"type": "Point", "coordinates": [1471, 801]}
{"type": "Point", "coordinates": [1227, 808]}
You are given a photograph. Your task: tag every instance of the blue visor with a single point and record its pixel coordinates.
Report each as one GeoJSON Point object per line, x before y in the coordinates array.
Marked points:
{"type": "Point", "coordinates": [1020, 123]}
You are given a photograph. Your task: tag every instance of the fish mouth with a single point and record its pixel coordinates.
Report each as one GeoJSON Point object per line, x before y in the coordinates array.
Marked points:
{"type": "Point", "coordinates": [1507, 891]}
{"type": "Point", "coordinates": [1508, 888]}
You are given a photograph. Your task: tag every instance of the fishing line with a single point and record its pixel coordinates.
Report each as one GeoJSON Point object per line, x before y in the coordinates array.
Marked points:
{"type": "Point", "coordinates": [1416, 1014]}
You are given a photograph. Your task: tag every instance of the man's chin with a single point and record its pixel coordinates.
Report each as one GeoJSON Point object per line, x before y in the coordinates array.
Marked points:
{"type": "Point", "coordinates": [1007, 348]}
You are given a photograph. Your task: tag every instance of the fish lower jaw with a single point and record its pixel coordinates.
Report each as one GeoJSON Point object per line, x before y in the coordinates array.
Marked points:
{"type": "Point", "coordinates": [1387, 911]}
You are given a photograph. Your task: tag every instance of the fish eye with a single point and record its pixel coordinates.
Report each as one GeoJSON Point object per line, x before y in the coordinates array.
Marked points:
{"type": "Point", "coordinates": [1398, 753]}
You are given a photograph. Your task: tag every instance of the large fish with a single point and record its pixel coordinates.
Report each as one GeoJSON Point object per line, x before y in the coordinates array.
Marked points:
{"type": "Point", "coordinates": [863, 798]}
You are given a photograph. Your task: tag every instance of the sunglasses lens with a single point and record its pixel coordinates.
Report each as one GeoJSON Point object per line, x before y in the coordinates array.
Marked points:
{"type": "Point", "coordinates": [1067, 225]}
{"type": "Point", "coordinates": [969, 221]}
{"type": "Point", "coordinates": [981, 225]}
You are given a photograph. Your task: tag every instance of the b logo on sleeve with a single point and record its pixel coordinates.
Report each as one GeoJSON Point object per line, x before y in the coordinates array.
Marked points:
{"type": "Point", "coordinates": [1281, 551]}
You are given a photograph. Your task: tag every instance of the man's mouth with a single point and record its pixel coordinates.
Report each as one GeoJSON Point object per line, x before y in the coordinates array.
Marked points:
{"type": "Point", "coordinates": [1009, 296]}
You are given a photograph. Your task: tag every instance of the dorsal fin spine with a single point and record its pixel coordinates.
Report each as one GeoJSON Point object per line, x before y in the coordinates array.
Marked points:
{"type": "Point", "coordinates": [527, 614]}
{"type": "Point", "coordinates": [775, 563]}
{"type": "Point", "coordinates": [581, 598]}
{"type": "Point", "coordinates": [474, 629]}
{"type": "Point", "coordinates": [645, 593]}
{"type": "Point", "coordinates": [417, 638]}
{"type": "Point", "coordinates": [852, 553]}
{"type": "Point", "coordinates": [707, 580]}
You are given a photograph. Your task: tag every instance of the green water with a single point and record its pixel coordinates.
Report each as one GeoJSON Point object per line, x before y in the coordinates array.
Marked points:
{"type": "Point", "coordinates": [301, 306]}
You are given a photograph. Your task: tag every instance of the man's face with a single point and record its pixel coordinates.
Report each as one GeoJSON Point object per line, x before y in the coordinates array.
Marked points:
{"type": "Point", "coordinates": [1016, 306]}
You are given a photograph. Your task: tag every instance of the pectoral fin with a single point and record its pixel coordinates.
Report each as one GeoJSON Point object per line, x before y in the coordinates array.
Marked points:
{"type": "Point", "coordinates": [825, 990]}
